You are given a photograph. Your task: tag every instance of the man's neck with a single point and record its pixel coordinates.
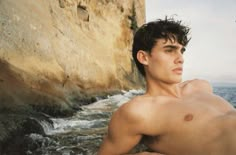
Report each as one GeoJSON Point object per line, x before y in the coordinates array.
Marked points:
{"type": "Point", "coordinates": [159, 88]}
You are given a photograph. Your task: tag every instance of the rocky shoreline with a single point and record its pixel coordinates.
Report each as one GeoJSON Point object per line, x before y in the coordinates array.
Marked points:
{"type": "Point", "coordinates": [19, 121]}
{"type": "Point", "coordinates": [58, 55]}
{"type": "Point", "coordinates": [22, 108]}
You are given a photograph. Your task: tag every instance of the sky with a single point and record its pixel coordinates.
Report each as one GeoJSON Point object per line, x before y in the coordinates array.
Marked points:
{"type": "Point", "coordinates": [211, 52]}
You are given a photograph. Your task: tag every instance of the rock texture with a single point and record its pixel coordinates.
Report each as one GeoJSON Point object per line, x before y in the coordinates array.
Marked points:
{"type": "Point", "coordinates": [60, 49]}
{"type": "Point", "coordinates": [56, 55]}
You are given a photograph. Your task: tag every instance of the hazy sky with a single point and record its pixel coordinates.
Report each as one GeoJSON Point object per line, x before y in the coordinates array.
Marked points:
{"type": "Point", "coordinates": [211, 53]}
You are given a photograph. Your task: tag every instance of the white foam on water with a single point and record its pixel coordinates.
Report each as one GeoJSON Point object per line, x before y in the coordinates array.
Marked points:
{"type": "Point", "coordinates": [77, 122]}
{"type": "Point", "coordinates": [47, 127]}
{"type": "Point", "coordinates": [86, 125]}
{"type": "Point", "coordinates": [35, 136]}
{"type": "Point", "coordinates": [67, 125]}
{"type": "Point", "coordinates": [97, 105]}
{"type": "Point", "coordinates": [117, 99]}
{"type": "Point", "coordinates": [128, 95]}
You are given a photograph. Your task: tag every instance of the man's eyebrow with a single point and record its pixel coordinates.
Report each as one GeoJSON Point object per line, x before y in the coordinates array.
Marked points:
{"type": "Point", "coordinates": [170, 46]}
{"type": "Point", "coordinates": [174, 47]}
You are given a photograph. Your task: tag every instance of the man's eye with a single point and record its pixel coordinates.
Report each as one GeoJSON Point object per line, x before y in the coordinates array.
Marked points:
{"type": "Point", "coordinates": [183, 50]}
{"type": "Point", "coordinates": [169, 50]}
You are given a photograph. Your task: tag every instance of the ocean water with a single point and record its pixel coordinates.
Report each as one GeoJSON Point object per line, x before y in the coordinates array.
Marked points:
{"type": "Point", "coordinates": [228, 93]}
{"type": "Point", "coordinates": [82, 133]}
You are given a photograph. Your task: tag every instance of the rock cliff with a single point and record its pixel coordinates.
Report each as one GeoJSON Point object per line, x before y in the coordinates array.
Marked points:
{"type": "Point", "coordinates": [56, 55]}
{"type": "Point", "coordinates": [57, 51]}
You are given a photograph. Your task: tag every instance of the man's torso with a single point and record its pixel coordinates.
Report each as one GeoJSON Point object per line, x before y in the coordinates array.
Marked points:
{"type": "Point", "coordinates": [198, 123]}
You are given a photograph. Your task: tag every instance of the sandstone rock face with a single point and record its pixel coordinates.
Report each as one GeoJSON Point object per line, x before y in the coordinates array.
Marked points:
{"type": "Point", "coordinates": [63, 47]}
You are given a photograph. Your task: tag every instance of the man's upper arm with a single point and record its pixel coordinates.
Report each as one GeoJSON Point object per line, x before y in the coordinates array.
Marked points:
{"type": "Point", "coordinates": [123, 133]}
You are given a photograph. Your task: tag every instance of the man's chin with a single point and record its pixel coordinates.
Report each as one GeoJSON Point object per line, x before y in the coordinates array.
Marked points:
{"type": "Point", "coordinates": [176, 80]}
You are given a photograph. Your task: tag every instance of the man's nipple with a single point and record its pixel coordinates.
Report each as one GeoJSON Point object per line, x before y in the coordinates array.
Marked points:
{"type": "Point", "coordinates": [188, 117]}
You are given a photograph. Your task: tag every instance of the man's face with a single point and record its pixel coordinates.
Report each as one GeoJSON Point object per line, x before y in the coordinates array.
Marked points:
{"type": "Point", "coordinates": [165, 62]}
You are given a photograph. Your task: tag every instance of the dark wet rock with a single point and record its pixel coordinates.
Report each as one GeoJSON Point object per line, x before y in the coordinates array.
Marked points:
{"type": "Point", "coordinates": [54, 110]}
{"type": "Point", "coordinates": [14, 127]}
{"type": "Point", "coordinates": [35, 141]}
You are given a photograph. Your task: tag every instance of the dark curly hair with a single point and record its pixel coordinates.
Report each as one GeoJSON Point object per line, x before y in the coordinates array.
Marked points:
{"type": "Point", "coordinates": [146, 36]}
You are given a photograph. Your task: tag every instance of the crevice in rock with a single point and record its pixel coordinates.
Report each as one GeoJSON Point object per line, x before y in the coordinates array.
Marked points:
{"type": "Point", "coordinates": [62, 3]}
{"type": "Point", "coordinates": [82, 13]}
{"type": "Point", "coordinates": [132, 18]}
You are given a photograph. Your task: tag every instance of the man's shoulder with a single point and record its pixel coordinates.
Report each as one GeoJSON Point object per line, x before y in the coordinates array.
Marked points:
{"type": "Point", "coordinates": [132, 114]}
{"type": "Point", "coordinates": [135, 106]}
{"type": "Point", "coordinates": [197, 85]}
{"type": "Point", "coordinates": [139, 106]}
{"type": "Point", "coordinates": [141, 112]}
{"type": "Point", "coordinates": [143, 102]}
{"type": "Point", "coordinates": [194, 81]}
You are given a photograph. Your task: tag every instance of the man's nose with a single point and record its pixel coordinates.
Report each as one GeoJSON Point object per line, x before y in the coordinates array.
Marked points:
{"type": "Point", "coordinates": [179, 58]}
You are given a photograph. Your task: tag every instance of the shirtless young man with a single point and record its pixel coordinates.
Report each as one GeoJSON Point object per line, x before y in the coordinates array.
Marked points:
{"type": "Point", "coordinates": [172, 118]}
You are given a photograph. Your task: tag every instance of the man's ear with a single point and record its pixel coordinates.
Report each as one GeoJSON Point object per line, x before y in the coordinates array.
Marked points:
{"type": "Point", "coordinates": [142, 57]}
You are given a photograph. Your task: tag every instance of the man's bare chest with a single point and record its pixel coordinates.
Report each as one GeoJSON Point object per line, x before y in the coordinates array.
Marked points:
{"type": "Point", "coordinates": [188, 123]}
{"type": "Point", "coordinates": [195, 108]}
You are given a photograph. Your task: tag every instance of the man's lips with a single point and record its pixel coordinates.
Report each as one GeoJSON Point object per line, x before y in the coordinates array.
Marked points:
{"type": "Point", "coordinates": [178, 70]}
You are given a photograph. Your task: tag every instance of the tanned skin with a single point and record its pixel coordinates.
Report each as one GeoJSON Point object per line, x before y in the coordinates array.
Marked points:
{"type": "Point", "coordinates": [172, 117]}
